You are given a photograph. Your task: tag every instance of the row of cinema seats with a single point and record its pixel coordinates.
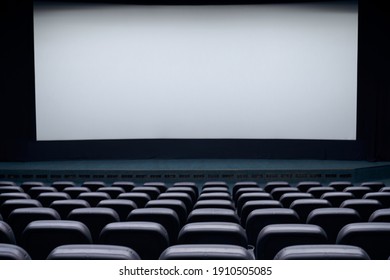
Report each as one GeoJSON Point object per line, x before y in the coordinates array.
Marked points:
{"type": "Point", "coordinates": [186, 221]}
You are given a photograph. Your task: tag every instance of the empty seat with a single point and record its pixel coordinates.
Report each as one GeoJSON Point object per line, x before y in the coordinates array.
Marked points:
{"type": "Point", "coordinates": [112, 191]}
{"type": "Point", "coordinates": [365, 207]}
{"type": "Point", "coordinates": [7, 183]}
{"type": "Point", "coordinates": [148, 239]}
{"type": "Point", "coordinates": [215, 189]}
{"type": "Point", "coordinates": [6, 234]}
{"type": "Point", "coordinates": [92, 252]}
{"type": "Point", "coordinates": [382, 197]}
{"type": "Point", "coordinates": [339, 186]}
{"type": "Point", "coordinates": [188, 184]}
{"type": "Point", "coordinates": [257, 204]}
{"type": "Point", "coordinates": [164, 216]}
{"type": "Point", "coordinates": [216, 195]}
{"type": "Point", "coordinates": [34, 192]}
{"type": "Point", "coordinates": [30, 184]}
{"type": "Point", "coordinates": [371, 237]}
{"type": "Point", "coordinates": [20, 218]}
{"type": "Point", "coordinates": [8, 206]}
{"type": "Point", "coordinates": [214, 203]}
{"type": "Point", "coordinates": [122, 206]}
{"type": "Point", "coordinates": [214, 184]}
{"type": "Point", "coordinates": [64, 207]}
{"type": "Point", "coordinates": [177, 205]}
{"type": "Point", "coordinates": [322, 252]}
{"type": "Point", "coordinates": [385, 189]}
{"type": "Point", "coordinates": [246, 190]}
{"type": "Point", "coordinates": [260, 218]}
{"type": "Point", "coordinates": [305, 186]}
{"type": "Point", "coordinates": [213, 215]}
{"type": "Point", "coordinates": [317, 192]}
{"type": "Point", "coordinates": [41, 237]}
{"type": "Point", "coordinates": [288, 198]}
{"type": "Point", "coordinates": [7, 196]}
{"type": "Point", "coordinates": [125, 185]}
{"type": "Point", "coordinates": [93, 198]}
{"type": "Point", "coordinates": [381, 215]}
{"type": "Point", "coordinates": [185, 198]}
{"type": "Point", "coordinates": [278, 192]}
{"type": "Point", "coordinates": [188, 190]}
{"type": "Point", "coordinates": [95, 219]}
{"type": "Point", "coordinates": [274, 238]}
{"type": "Point", "coordinates": [358, 192]}
{"type": "Point", "coordinates": [74, 192]}
{"type": "Point", "coordinates": [46, 199]}
{"type": "Point", "coordinates": [336, 198]}
{"type": "Point", "coordinates": [303, 207]}
{"type": "Point", "coordinates": [13, 252]}
{"type": "Point", "coordinates": [250, 197]}
{"type": "Point", "coordinates": [162, 187]}
{"type": "Point", "coordinates": [61, 185]}
{"type": "Point", "coordinates": [206, 252]}
{"type": "Point", "coordinates": [332, 220]}
{"type": "Point", "coordinates": [138, 198]}
{"type": "Point", "coordinates": [270, 186]}
{"type": "Point", "coordinates": [153, 192]}
{"type": "Point", "coordinates": [11, 189]}
{"type": "Point", "coordinates": [213, 233]}
{"type": "Point", "coordinates": [374, 186]}
{"type": "Point", "coordinates": [243, 185]}
{"type": "Point", "coordinates": [93, 186]}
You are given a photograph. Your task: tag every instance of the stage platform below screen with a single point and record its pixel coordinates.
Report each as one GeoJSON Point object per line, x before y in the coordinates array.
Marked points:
{"type": "Point", "coordinates": [196, 170]}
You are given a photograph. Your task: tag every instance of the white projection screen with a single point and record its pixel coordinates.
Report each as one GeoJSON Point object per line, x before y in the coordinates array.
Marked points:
{"type": "Point", "coordinates": [266, 71]}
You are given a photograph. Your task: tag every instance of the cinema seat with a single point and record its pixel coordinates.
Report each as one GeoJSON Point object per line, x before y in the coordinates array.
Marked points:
{"type": "Point", "coordinates": [95, 218]}
{"type": "Point", "coordinates": [214, 184]}
{"type": "Point", "coordinates": [257, 204]}
{"type": "Point", "coordinates": [276, 184]}
{"type": "Point", "coordinates": [288, 198]}
{"type": "Point", "coordinates": [214, 203]}
{"type": "Point", "coordinates": [46, 199]}
{"type": "Point", "coordinates": [13, 252]}
{"type": "Point", "coordinates": [317, 192]}
{"type": "Point", "coordinates": [382, 197]}
{"type": "Point", "coordinates": [215, 189]}
{"type": "Point", "coordinates": [93, 198]}
{"type": "Point", "coordinates": [385, 189]}
{"type": "Point", "coordinates": [7, 183]}
{"type": "Point", "coordinates": [161, 186]}
{"type": "Point", "coordinates": [278, 192]}
{"type": "Point", "coordinates": [92, 252]}
{"type": "Point", "coordinates": [74, 192]}
{"type": "Point", "coordinates": [121, 206]}
{"type": "Point", "coordinates": [215, 195]}
{"type": "Point", "coordinates": [336, 198]}
{"type": "Point", "coordinates": [6, 234]}
{"type": "Point", "coordinates": [274, 238]}
{"type": "Point", "coordinates": [41, 237]}
{"type": "Point", "coordinates": [138, 198]}
{"type": "Point", "coordinates": [64, 207]}
{"type": "Point", "coordinates": [246, 190]}
{"type": "Point", "coordinates": [339, 186]}
{"type": "Point", "coordinates": [191, 185]}
{"type": "Point", "coordinates": [206, 252]}
{"type": "Point", "coordinates": [185, 198]}
{"type": "Point", "coordinates": [332, 220]}
{"type": "Point", "coordinates": [148, 239]}
{"type": "Point", "coordinates": [11, 189]}
{"type": "Point", "coordinates": [93, 186]}
{"type": "Point", "coordinates": [258, 219]}
{"type": "Point", "coordinates": [371, 237]}
{"type": "Point", "coordinates": [20, 218]}
{"type": "Point", "coordinates": [243, 185]}
{"type": "Point", "coordinates": [303, 207]}
{"type": "Point", "coordinates": [245, 197]}
{"type": "Point", "coordinates": [381, 215]}
{"type": "Point", "coordinates": [153, 192]}
{"type": "Point", "coordinates": [374, 186]}
{"type": "Point", "coordinates": [306, 185]}
{"type": "Point", "coordinates": [177, 205]}
{"type": "Point", "coordinates": [8, 206]}
{"type": "Point", "coordinates": [113, 192]}
{"type": "Point", "coordinates": [365, 207]}
{"type": "Point", "coordinates": [164, 216]}
{"type": "Point", "coordinates": [35, 191]}
{"type": "Point", "coordinates": [125, 185]}
{"type": "Point", "coordinates": [187, 190]}
{"type": "Point", "coordinates": [358, 192]}
{"type": "Point", "coordinates": [61, 185]}
{"type": "Point", "coordinates": [213, 233]}
{"type": "Point", "coordinates": [30, 184]}
{"type": "Point", "coordinates": [212, 215]}
{"type": "Point", "coordinates": [322, 252]}
{"type": "Point", "coordinates": [8, 196]}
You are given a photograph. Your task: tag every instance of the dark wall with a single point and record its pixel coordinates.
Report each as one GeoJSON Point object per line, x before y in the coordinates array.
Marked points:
{"type": "Point", "coordinates": [17, 122]}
